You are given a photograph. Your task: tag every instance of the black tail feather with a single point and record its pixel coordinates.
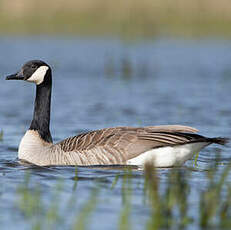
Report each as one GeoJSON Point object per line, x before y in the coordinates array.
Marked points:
{"type": "Point", "coordinates": [220, 140]}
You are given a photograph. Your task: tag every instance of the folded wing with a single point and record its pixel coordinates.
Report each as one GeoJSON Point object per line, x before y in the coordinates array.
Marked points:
{"type": "Point", "coordinates": [117, 145]}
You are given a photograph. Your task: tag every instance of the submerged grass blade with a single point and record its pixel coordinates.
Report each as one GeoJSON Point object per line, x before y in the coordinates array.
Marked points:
{"type": "Point", "coordinates": [213, 201]}
{"type": "Point", "coordinates": [115, 181]}
{"type": "Point", "coordinates": [167, 193]}
{"type": "Point", "coordinates": [124, 219]}
{"type": "Point", "coordinates": [30, 203]}
{"type": "Point", "coordinates": [82, 217]}
{"type": "Point", "coordinates": [1, 135]}
{"type": "Point", "coordinates": [196, 159]}
{"type": "Point", "coordinates": [76, 178]}
{"type": "Point", "coordinates": [124, 223]}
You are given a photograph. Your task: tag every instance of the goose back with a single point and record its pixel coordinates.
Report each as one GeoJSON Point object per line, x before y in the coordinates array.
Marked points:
{"type": "Point", "coordinates": [118, 145]}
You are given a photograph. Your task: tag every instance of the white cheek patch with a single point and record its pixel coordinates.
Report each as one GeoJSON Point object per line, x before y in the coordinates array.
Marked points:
{"type": "Point", "coordinates": [38, 76]}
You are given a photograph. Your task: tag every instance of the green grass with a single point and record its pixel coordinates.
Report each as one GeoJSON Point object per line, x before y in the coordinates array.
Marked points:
{"type": "Point", "coordinates": [124, 219]}
{"type": "Point", "coordinates": [82, 218]}
{"type": "Point", "coordinates": [169, 205]}
{"type": "Point", "coordinates": [1, 135]}
{"type": "Point", "coordinates": [130, 19]}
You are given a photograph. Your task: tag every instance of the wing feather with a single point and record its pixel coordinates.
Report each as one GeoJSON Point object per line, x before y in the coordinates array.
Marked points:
{"type": "Point", "coordinates": [117, 145]}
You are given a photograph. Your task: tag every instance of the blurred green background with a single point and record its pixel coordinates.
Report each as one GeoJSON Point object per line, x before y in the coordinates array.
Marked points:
{"type": "Point", "coordinates": [132, 18]}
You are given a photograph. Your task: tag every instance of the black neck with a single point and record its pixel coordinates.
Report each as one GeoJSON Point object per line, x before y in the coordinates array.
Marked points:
{"type": "Point", "coordinates": [41, 118]}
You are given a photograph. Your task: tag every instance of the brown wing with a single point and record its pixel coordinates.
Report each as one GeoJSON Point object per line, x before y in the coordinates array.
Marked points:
{"type": "Point", "coordinates": [117, 145]}
{"type": "Point", "coordinates": [173, 128]}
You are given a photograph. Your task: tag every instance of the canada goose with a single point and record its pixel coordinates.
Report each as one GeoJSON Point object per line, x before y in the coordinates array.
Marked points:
{"type": "Point", "coordinates": [165, 146]}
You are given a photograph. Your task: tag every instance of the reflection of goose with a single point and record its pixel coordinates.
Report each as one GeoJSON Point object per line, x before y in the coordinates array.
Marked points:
{"type": "Point", "coordinates": [167, 146]}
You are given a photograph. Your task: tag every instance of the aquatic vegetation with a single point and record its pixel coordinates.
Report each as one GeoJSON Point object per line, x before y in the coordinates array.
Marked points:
{"type": "Point", "coordinates": [126, 68]}
{"type": "Point", "coordinates": [195, 159]}
{"type": "Point", "coordinates": [140, 18]}
{"type": "Point", "coordinates": [215, 202]}
{"type": "Point", "coordinates": [89, 206]}
{"type": "Point", "coordinates": [167, 201]}
{"type": "Point", "coordinates": [1, 135]}
{"type": "Point", "coordinates": [29, 202]}
{"type": "Point", "coordinates": [124, 220]}
{"type": "Point", "coordinates": [171, 207]}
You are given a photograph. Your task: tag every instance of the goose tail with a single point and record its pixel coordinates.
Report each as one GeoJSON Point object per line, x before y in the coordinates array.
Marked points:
{"type": "Point", "coordinates": [219, 140]}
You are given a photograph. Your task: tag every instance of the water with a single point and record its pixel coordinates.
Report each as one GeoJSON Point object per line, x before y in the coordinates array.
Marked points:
{"type": "Point", "coordinates": [101, 83]}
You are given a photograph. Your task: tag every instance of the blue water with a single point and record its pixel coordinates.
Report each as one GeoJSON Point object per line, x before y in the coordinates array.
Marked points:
{"type": "Point", "coordinates": [101, 83]}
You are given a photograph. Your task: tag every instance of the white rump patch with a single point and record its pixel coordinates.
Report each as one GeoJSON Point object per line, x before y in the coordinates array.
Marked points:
{"type": "Point", "coordinates": [169, 156]}
{"type": "Point", "coordinates": [38, 76]}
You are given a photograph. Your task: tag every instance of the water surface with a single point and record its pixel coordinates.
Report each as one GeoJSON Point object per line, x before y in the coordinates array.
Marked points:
{"type": "Point", "coordinates": [101, 83]}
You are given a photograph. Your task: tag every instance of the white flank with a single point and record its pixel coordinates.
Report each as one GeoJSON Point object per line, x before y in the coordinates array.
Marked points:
{"type": "Point", "coordinates": [168, 156]}
{"type": "Point", "coordinates": [38, 76]}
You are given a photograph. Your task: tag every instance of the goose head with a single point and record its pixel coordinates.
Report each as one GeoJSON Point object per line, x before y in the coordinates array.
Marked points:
{"type": "Point", "coordinates": [35, 71]}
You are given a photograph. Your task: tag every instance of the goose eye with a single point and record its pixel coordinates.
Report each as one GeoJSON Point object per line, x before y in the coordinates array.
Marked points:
{"type": "Point", "coordinates": [33, 66]}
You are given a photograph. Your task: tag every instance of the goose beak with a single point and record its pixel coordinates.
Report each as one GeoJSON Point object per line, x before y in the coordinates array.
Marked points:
{"type": "Point", "coordinates": [16, 76]}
